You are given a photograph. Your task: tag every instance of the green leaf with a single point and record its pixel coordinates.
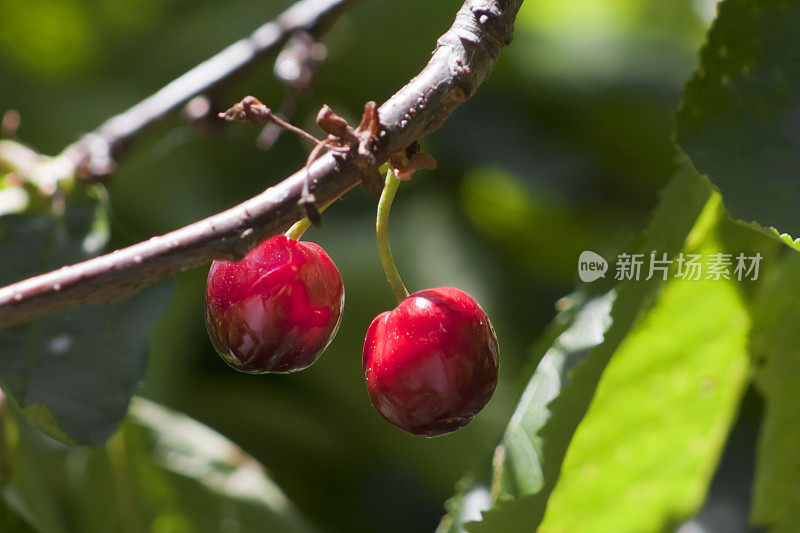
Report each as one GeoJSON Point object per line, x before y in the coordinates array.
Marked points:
{"type": "Point", "coordinates": [162, 472]}
{"type": "Point", "coordinates": [775, 345]}
{"type": "Point", "coordinates": [519, 469]}
{"type": "Point", "coordinates": [643, 456]}
{"type": "Point", "coordinates": [739, 115]}
{"type": "Point", "coordinates": [528, 461]}
{"type": "Point", "coordinates": [73, 372]}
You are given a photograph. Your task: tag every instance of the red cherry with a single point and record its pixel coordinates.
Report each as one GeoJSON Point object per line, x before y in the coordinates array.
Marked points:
{"type": "Point", "coordinates": [275, 310]}
{"type": "Point", "coordinates": [431, 363]}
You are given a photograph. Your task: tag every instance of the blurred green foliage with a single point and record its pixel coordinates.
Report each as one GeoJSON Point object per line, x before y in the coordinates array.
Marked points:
{"type": "Point", "coordinates": [563, 149]}
{"type": "Point", "coordinates": [161, 472]}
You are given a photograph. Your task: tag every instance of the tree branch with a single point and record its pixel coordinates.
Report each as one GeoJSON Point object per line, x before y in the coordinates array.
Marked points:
{"type": "Point", "coordinates": [95, 152]}
{"type": "Point", "coordinates": [463, 58]}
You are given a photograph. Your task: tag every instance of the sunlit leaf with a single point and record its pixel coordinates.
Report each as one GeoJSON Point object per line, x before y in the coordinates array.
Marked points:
{"type": "Point", "coordinates": [645, 452]}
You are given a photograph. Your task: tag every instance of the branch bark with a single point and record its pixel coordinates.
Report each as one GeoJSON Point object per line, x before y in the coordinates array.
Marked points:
{"type": "Point", "coordinates": [463, 58]}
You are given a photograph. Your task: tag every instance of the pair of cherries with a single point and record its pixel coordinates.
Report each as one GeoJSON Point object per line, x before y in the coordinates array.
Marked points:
{"type": "Point", "coordinates": [430, 364]}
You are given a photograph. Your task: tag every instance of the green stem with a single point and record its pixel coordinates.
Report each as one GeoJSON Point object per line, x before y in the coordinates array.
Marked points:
{"type": "Point", "coordinates": [382, 231]}
{"type": "Point", "coordinates": [300, 227]}
{"type": "Point", "coordinates": [297, 230]}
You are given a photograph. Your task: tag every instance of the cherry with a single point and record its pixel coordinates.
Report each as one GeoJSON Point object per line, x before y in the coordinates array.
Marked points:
{"type": "Point", "coordinates": [431, 363]}
{"type": "Point", "coordinates": [275, 310]}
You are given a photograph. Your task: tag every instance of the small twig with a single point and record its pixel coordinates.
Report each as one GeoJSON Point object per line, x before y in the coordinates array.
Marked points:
{"type": "Point", "coordinates": [250, 109]}
{"type": "Point", "coordinates": [463, 58]}
{"type": "Point", "coordinates": [294, 129]}
{"type": "Point", "coordinates": [341, 138]}
{"type": "Point", "coordinates": [271, 132]}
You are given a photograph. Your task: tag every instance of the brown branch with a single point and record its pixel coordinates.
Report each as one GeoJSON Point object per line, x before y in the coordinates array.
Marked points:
{"type": "Point", "coordinates": [94, 154]}
{"type": "Point", "coordinates": [463, 58]}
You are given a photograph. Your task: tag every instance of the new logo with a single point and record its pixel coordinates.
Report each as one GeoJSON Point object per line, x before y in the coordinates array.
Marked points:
{"type": "Point", "coordinates": [591, 266]}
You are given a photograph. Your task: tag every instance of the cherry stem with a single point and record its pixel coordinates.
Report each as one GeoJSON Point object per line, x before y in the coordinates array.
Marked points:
{"type": "Point", "coordinates": [300, 227]}
{"type": "Point", "coordinates": [382, 233]}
